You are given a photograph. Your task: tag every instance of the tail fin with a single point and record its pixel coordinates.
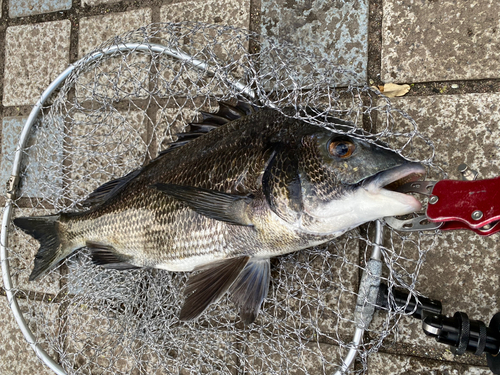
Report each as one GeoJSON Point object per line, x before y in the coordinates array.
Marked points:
{"type": "Point", "coordinates": [45, 229]}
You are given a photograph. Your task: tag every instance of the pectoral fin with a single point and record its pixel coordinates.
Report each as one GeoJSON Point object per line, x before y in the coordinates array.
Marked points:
{"type": "Point", "coordinates": [213, 204]}
{"type": "Point", "coordinates": [250, 288]}
{"type": "Point", "coordinates": [209, 285]}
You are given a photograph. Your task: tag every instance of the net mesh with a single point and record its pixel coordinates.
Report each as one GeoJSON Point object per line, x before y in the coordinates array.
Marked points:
{"type": "Point", "coordinates": [115, 113]}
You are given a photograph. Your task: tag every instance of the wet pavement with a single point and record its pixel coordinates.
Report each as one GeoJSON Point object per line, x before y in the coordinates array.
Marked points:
{"type": "Point", "coordinates": [448, 51]}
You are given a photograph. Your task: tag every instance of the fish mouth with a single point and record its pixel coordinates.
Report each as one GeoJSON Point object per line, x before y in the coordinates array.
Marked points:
{"type": "Point", "coordinates": [393, 178]}
{"type": "Point", "coordinates": [387, 182]}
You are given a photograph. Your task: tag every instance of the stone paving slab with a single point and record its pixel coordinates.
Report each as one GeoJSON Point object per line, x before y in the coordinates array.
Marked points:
{"type": "Point", "coordinates": [16, 355]}
{"type": "Point", "coordinates": [98, 29]}
{"type": "Point", "coordinates": [330, 29]}
{"type": "Point", "coordinates": [303, 357]}
{"type": "Point", "coordinates": [34, 56]}
{"type": "Point", "coordinates": [121, 135]}
{"type": "Point", "coordinates": [11, 130]}
{"type": "Point", "coordinates": [22, 8]}
{"type": "Point", "coordinates": [93, 339]}
{"type": "Point", "coordinates": [440, 40]}
{"type": "Point", "coordinates": [223, 12]}
{"type": "Point", "coordinates": [36, 159]}
{"type": "Point", "coordinates": [387, 364]}
{"type": "Point", "coordinates": [461, 269]}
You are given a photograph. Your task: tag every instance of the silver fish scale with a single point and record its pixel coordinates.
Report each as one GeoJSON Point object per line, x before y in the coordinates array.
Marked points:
{"type": "Point", "coordinates": [158, 231]}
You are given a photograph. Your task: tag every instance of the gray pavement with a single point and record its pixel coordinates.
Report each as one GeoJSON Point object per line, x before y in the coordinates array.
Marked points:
{"type": "Point", "coordinates": [448, 51]}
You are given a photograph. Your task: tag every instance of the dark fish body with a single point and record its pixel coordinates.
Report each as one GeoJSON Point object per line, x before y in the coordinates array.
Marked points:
{"type": "Point", "coordinates": [248, 186]}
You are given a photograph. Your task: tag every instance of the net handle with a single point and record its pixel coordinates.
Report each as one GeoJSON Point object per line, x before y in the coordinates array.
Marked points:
{"type": "Point", "coordinates": [13, 183]}
{"type": "Point", "coordinates": [367, 296]}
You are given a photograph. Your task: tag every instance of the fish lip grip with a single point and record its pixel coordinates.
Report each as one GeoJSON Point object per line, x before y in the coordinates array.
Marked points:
{"type": "Point", "coordinates": [455, 204]}
{"type": "Point", "coordinates": [473, 205]}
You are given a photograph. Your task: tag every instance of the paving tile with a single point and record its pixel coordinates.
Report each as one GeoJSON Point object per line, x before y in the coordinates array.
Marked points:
{"type": "Point", "coordinates": [223, 12]}
{"type": "Point", "coordinates": [21, 8]}
{"type": "Point", "coordinates": [463, 128]}
{"type": "Point", "coordinates": [173, 78]}
{"type": "Point", "coordinates": [299, 358]}
{"type": "Point", "coordinates": [386, 364]}
{"type": "Point", "coordinates": [117, 135]}
{"type": "Point", "coordinates": [340, 293]}
{"type": "Point", "coordinates": [334, 30]}
{"type": "Point", "coordinates": [119, 77]}
{"type": "Point", "coordinates": [96, 30]}
{"type": "Point", "coordinates": [34, 56]}
{"type": "Point", "coordinates": [16, 355]}
{"type": "Point", "coordinates": [95, 342]}
{"type": "Point", "coordinates": [11, 130]}
{"type": "Point", "coordinates": [460, 268]}
{"type": "Point", "coordinates": [220, 358]}
{"type": "Point", "coordinates": [42, 163]}
{"type": "Point", "coordinates": [440, 40]}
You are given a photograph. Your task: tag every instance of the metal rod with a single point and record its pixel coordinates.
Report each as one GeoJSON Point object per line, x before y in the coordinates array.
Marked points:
{"type": "Point", "coordinates": [368, 287]}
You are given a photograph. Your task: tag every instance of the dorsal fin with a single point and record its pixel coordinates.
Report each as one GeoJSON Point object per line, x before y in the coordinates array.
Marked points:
{"type": "Point", "coordinates": [210, 121]}
{"type": "Point", "coordinates": [107, 190]}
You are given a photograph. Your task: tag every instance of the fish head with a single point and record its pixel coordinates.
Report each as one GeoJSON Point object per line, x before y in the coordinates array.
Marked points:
{"type": "Point", "coordinates": [346, 181]}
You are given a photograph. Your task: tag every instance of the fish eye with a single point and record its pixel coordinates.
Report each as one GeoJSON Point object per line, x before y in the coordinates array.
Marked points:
{"type": "Point", "coordinates": [341, 148]}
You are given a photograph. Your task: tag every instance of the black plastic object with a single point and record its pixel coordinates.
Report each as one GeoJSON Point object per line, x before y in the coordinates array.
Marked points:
{"type": "Point", "coordinates": [467, 335]}
{"type": "Point", "coordinates": [402, 299]}
{"type": "Point", "coordinates": [494, 359]}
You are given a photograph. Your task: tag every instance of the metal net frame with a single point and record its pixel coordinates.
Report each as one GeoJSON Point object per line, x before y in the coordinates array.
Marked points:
{"type": "Point", "coordinates": [112, 112]}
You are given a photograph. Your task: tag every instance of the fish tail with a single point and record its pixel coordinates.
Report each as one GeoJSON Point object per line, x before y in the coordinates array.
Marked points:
{"type": "Point", "coordinates": [46, 230]}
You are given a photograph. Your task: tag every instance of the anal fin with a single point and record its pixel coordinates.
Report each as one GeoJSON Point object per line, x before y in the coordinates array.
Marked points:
{"type": "Point", "coordinates": [208, 285]}
{"type": "Point", "coordinates": [250, 288]}
{"type": "Point", "coordinates": [107, 257]}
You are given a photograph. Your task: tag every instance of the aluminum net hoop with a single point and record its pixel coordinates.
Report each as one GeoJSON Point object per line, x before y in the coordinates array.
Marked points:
{"type": "Point", "coordinates": [118, 107]}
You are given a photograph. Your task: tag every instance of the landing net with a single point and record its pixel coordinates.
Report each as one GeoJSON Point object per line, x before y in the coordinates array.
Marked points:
{"type": "Point", "coordinates": [120, 106]}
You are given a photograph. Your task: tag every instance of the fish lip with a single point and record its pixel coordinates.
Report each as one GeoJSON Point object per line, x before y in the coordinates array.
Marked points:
{"type": "Point", "coordinates": [398, 176]}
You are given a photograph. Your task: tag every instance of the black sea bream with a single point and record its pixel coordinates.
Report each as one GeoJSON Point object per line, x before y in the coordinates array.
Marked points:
{"type": "Point", "coordinates": [239, 188]}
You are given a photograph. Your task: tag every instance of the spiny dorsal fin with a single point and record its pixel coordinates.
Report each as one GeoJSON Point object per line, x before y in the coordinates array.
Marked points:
{"type": "Point", "coordinates": [210, 121]}
{"type": "Point", "coordinates": [208, 285]}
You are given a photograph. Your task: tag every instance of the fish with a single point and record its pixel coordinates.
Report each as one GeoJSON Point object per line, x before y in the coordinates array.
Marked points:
{"type": "Point", "coordinates": [243, 185]}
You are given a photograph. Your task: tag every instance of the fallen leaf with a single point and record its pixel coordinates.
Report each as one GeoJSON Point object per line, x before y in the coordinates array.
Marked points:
{"type": "Point", "coordinates": [391, 90]}
{"type": "Point", "coordinates": [378, 88]}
